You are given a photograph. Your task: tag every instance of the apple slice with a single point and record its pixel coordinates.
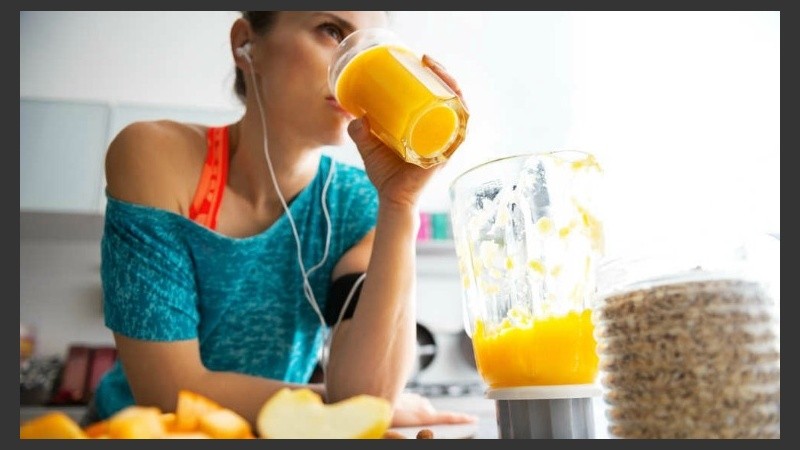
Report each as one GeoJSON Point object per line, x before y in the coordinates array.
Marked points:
{"type": "Point", "coordinates": [301, 414]}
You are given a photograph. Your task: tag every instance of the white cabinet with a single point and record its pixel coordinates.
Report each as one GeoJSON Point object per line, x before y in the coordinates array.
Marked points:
{"type": "Point", "coordinates": [439, 287]}
{"type": "Point", "coordinates": [61, 155]}
{"type": "Point", "coordinates": [63, 145]}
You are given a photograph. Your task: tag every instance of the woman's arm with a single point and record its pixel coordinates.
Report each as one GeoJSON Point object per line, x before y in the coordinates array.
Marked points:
{"type": "Point", "coordinates": [156, 372]}
{"type": "Point", "coordinates": [374, 351]}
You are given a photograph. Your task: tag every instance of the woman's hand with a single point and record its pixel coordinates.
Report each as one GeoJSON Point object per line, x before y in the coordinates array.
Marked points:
{"type": "Point", "coordinates": [413, 410]}
{"type": "Point", "coordinates": [427, 61]}
{"type": "Point", "coordinates": [396, 180]}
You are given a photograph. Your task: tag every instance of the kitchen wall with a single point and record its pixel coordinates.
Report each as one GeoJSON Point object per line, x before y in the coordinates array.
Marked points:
{"type": "Point", "coordinates": [59, 280]}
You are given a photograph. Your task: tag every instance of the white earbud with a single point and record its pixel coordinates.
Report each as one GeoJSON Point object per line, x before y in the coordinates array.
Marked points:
{"type": "Point", "coordinates": [244, 50]}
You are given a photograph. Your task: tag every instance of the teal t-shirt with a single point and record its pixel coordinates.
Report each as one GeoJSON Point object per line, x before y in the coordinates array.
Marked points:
{"type": "Point", "coordinates": [167, 278]}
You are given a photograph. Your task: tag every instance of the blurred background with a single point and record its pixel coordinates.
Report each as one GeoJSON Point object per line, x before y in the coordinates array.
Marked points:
{"type": "Point", "coordinates": [681, 109]}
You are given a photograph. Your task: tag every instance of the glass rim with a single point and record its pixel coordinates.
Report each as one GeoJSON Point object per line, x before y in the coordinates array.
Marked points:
{"type": "Point", "coordinates": [353, 44]}
{"type": "Point", "coordinates": [501, 159]}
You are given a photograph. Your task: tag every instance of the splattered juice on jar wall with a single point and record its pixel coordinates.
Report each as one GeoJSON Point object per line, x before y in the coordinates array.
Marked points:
{"type": "Point", "coordinates": [528, 240]}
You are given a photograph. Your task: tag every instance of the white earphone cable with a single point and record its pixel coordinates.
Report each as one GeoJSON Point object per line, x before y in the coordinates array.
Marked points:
{"type": "Point", "coordinates": [307, 290]}
{"type": "Point", "coordinates": [329, 338]}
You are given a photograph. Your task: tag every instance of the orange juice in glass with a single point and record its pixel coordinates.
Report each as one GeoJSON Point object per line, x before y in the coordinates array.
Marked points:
{"type": "Point", "coordinates": [407, 105]}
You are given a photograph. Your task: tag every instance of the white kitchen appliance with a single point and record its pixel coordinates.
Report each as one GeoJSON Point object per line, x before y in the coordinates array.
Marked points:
{"type": "Point", "coordinates": [448, 367]}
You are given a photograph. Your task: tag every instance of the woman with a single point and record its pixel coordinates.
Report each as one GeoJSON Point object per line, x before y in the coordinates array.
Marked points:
{"type": "Point", "coordinates": [226, 247]}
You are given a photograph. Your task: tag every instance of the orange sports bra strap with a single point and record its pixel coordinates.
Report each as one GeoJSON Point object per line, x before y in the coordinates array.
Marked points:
{"type": "Point", "coordinates": [208, 196]}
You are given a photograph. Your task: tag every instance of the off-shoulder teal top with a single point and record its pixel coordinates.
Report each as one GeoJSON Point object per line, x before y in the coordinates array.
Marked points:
{"type": "Point", "coordinates": [167, 278]}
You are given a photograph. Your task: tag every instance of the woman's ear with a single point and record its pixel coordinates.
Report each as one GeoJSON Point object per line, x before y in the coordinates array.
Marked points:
{"type": "Point", "coordinates": [240, 41]}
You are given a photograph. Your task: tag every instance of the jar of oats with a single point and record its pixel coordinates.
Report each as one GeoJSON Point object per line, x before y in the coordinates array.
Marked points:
{"type": "Point", "coordinates": [689, 347]}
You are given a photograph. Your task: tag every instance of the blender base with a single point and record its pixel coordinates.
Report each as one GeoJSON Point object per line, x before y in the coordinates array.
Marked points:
{"type": "Point", "coordinates": [545, 412]}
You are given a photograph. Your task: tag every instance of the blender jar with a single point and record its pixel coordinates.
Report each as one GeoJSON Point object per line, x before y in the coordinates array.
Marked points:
{"type": "Point", "coordinates": [528, 238]}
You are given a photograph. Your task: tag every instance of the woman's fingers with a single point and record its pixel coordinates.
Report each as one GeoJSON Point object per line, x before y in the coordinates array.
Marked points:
{"type": "Point", "coordinates": [442, 73]}
{"type": "Point", "coordinates": [450, 417]}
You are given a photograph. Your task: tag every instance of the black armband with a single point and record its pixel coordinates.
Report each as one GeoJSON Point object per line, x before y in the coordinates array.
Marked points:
{"type": "Point", "coordinates": [337, 294]}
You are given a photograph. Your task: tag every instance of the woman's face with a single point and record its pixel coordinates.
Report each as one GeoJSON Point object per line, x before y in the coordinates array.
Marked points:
{"type": "Point", "coordinates": [293, 58]}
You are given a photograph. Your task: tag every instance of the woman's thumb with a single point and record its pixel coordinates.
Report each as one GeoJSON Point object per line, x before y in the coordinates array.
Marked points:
{"type": "Point", "coordinates": [358, 130]}
{"type": "Point", "coordinates": [364, 140]}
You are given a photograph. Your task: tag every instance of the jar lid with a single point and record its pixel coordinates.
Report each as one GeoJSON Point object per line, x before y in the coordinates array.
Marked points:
{"type": "Point", "coordinates": [667, 262]}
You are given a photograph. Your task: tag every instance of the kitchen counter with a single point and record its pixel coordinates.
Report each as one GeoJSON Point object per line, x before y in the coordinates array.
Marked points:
{"type": "Point", "coordinates": [476, 405]}
{"type": "Point", "coordinates": [479, 406]}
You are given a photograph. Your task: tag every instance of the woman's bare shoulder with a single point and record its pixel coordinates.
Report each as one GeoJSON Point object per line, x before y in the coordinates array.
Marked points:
{"type": "Point", "coordinates": [156, 163]}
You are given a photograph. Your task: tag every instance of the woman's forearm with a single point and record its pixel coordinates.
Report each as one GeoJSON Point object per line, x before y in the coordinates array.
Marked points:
{"type": "Point", "coordinates": [375, 353]}
{"type": "Point", "coordinates": [157, 371]}
{"type": "Point", "coordinates": [242, 393]}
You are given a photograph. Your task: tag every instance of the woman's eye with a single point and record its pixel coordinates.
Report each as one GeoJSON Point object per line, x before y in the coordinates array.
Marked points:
{"type": "Point", "coordinates": [333, 31]}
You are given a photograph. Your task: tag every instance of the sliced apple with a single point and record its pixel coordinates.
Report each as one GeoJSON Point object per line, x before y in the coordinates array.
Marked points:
{"type": "Point", "coordinates": [301, 414]}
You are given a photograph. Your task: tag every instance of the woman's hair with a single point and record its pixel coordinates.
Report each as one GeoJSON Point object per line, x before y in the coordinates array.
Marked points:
{"type": "Point", "coordinates": [260, 21]}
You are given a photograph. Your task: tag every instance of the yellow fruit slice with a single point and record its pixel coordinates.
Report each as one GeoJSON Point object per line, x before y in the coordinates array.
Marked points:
{"type": "Point", "coordinates": [136, 422]}
{"type": "Point", "coordinates": [225, 424]}
{"type": "Point", "coordinates": [191, 407]}
{"type": "Point", "coordinates": [301, 414]}
{"type": "Point", "coordinates": [53, 425]}
{"type": "Point", "coordinates": [186, 435]}
{"type": "Point", "coordinates": [195, 417]}
{"type": "Point", "coordinates": [97, 430]}
{"type": "Point", "coordinates": [168, 420]}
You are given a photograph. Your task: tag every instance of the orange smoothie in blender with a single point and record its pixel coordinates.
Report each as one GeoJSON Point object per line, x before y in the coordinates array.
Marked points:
{"type": "Point", "coordinates": [534, 352]}
{"type": "Point", "coordinates": [407, 106]}
{"type": "Point", "coordinates": [529, 237]}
